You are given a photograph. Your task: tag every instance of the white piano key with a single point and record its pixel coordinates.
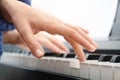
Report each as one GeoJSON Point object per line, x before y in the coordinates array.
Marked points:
{"type": "Point", "coordinates": [107, 71]}
{"type": "Point", "coordinates": [21, 59]}
{"type": "Point", "coordinates": [69, 64]}
{"type": "Point", "coordinates": [32, 62]}
{"type": "Point", "coordinates": [24, 60]}
{"type": "Point", "coordinates": [4, 57]}
{"type": "Point", "coordinates": [45, 61]}
{"type": "Point", "coordinates": [95, 70]}
{"type": "Point", "coordinates": [75, 67]}
{"type": "Point", "coordinates": [66, 66]}
{"type": "Point", "coordinates": [15, 59]}
{"type": "Point", "coordinates": [117, 71]}
{"type": "Point", "coordinates": [51, 64]}
{"type": "Point", "coordinates": [10, 58]}
{"type": "Point", "coordinates": [39, 64]}
{"type": "Point", "coordinates": [85, 69]}
{"type": "Point", "coordinates": [58, 65]}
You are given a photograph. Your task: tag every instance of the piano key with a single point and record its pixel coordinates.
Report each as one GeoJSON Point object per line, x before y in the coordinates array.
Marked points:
{"type": "Point", "coordinates": [32, 61]}
{"type": "Point", "coordinates": [45, 61]}
{"type": "Point", "coordinates": [117, 59]}
{"type": "Point", "coordinates": [25, 60]}
{"type": "Point", "coordinates": [51, 64]}
{"type": "Point", "coordinates": [21, 60]}
{"type": "Point", "coordinates": [10, 59]}
{"type": "Point", "coordinates": [95, 71]}
{"type": "Point", "coordinates": [107, 71]}
{"type": "Point", "coordinates": [66, 66]}
{"type": "Point", "coordinates": [85, 69]}
{"type": "Point", "coordinates": [85, 66]}
{"type": "Point", "coordinates": [15, 59]}
{"type": "Point", "coordinates": [51, 54]}
{"type": "Point", "coordinates": [66, 63]}
{"type": "Point", "coordinates": [39, 64]}
{"type": "Point", "coordinates": [58, 65]}
{"type": "Point", "coordinates": [117, 71]}
{"type": "Point", "coordinates": [92, 56]}
{"type": "Point", "coordinates": [105, 58]}
{"type": "Point", "coordinates": [48, 62]}
{"type": "Point", "coordinates": [71, 55]}
{"type": "Point", "coordinates": [75, 67]}
{"type": "Point", "coordinates": [4, 57]}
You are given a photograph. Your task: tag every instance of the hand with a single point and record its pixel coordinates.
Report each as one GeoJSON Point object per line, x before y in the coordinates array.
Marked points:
{"type": "Point", "coordinates": [44, 39]}
{"type": "Point", "coordinates": [30, 21]}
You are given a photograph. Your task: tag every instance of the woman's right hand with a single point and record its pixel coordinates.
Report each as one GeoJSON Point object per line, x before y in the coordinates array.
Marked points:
{"type": "Point", "coordinates": [30, 21]}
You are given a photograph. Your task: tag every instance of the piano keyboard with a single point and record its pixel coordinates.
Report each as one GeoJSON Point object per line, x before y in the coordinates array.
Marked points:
{"type": "Point", "coordinates": [97, 66]}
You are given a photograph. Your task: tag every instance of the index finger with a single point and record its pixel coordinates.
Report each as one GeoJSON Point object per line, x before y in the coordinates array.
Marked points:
{"type": "Point", "coordinates": [28, 36]}
{"type": "Point", "coordinates": [78, 49]}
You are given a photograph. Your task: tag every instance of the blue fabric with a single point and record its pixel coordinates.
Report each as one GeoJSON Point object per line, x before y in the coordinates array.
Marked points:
{"type": "Point", "coordinates": [4, 26]}
{"type": "Point", "coordinates": [26, 1]}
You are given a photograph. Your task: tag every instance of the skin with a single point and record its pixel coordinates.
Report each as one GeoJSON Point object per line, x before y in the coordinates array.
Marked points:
{"type": "Point", "coordinates": [44, 39]}
{"type": "Point", "coordinates": [30, 21]}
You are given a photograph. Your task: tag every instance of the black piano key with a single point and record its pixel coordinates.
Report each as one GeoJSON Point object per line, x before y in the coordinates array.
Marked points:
{"type": "Point", "coordinates": [105, 58]}
{"type": "Point", "coordinates": [22, 51]}
{"type": "Point", "coordinates": [61, 55]}
{"type": "Point", "coordinates": [93, 56]}
{"type": "Point", "coordinates": [52, 54]}
{"type": "Point", "coordinates": [115, 59]}
{"type": "Point", "coordinates": [70, 55]}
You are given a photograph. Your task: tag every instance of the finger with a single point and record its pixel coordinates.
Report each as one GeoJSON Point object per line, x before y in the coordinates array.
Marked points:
{"type": "Point", "coordinates": [81, 40]}
{"type": "Point", "coordinates": [54, 18]}
{"type": "Point", "coordinates": [77, 28]}
{"type": "Point", "coordinates": [64, 30]}
{"type": "Point", "coordinates": [78, 49]}
{"type": "Point", "coordinates": [74, 34]}
{"type": "Point", "coordinates": [27, 35]}
{"type": "Point", "coordinates": [86, 31]}
{"type": "Point", "coordinates": [48, 44]}
{"type": "Point", "coordinates": [57, 43]}
{"type": "Point", "coordinates": [83, 32]}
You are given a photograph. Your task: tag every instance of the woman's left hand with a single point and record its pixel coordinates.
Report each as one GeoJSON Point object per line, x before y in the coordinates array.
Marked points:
{"type": "Point", "coordinates": [44, 38]}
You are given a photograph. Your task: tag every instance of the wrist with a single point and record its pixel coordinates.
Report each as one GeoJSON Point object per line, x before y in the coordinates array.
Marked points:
{"type": "Point", "coordinates": [11, 37]}
{"type": "Point", "coordinates": [4, 7]}
{"type": "Point", "coordinates": [11, 8]}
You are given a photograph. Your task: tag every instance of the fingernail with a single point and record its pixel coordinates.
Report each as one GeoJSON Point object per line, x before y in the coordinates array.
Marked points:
{"type": "Point", "coordinates": [95, 44]}
{"type": "Point", "coordinates": [64, 52]}
{"type": "Point", "coordinates": [92, 48]}
{"type": "Point", "coordinates": [39, 53]}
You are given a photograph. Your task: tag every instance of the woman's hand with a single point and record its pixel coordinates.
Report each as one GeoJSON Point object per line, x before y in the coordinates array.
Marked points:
{"type": "Point", "coordinates": [30, 21]}
{"type": "Point", "coordinates": [44, 39]}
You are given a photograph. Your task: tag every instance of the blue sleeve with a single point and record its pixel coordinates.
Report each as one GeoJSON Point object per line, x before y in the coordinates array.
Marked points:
{"type": "Point", "coordinates": [26, 1]}
{"type": "Point", "coordinates": [4, 25]}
